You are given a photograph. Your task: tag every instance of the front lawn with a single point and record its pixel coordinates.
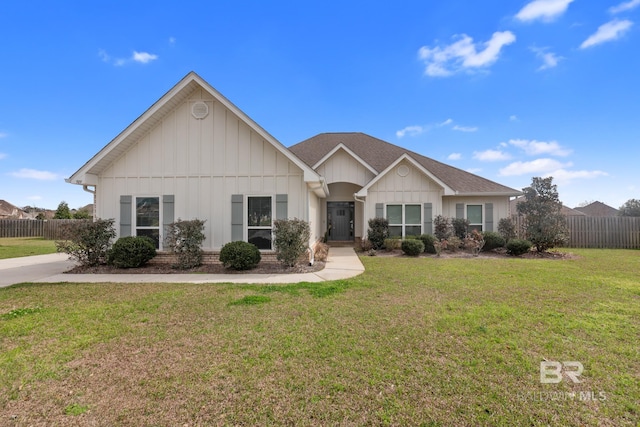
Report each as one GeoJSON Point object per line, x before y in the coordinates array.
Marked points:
{"type": "Point", "coordinates": [424, 341]}
{"type": "Point", "coordinates": [14, 247]}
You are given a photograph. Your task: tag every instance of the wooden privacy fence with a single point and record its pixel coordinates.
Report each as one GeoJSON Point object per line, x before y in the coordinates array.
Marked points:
{"type": "Point", "coordinates": [49, 229]}
{"type": "Point", "coordinates": [614, 232]}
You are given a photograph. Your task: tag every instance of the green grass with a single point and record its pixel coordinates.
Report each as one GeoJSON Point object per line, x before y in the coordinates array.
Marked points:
{"type": "Point", "coordinates": [25, 246]}
{"type": "Point", "coordinates": [425, 341]}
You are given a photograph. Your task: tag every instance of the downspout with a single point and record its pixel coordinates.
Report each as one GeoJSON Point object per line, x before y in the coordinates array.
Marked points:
{"type": "Point", "coordinates": [86, 188]}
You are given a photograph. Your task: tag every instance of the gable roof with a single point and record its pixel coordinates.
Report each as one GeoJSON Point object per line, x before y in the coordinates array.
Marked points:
{"type": "Point", "coordinates": [598, 209]}
{"type": "Point", "coordinates": [564, 210]}
{"type": "Point", "coordinates": [380, 155]}
{"type": "Point", "coordinates": [87, 174]}
{"type": "Point", "coordinates": [9, 210]}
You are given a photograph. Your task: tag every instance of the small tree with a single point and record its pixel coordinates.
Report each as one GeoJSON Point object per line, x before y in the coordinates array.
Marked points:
{"type": "Point", "coordinates": [507, 229]}
{"type": "Point", "coordinates": [378, 231]}
{"type": "Point", "coordinates": [87, 242]}
{"type": "Point", "coordinates": [291, 240]}
{"type": "Point", "coordinates": [81, 214]}
{"type": "Point", "coordinates": [630, 208]}
{"type": "Point", "coordinates": [460, 227]}
{"type": "Point", "coordinates": [63, 211]}
{"type": "Point", "coordinates": [184, 239]}
{"type": "Point", "coordinates": [442, 228]}
{"type": "Point", "coordinates": [546, 227]}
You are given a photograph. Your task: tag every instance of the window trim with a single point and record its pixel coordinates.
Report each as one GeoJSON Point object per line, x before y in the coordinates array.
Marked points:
{"type": "Point", "coordinates": [466, 215]}
{"type": "Point", "coordinates": [403, 225]}
{"type": "Point", "coordinates": [134, 219]}
{"type": "Point", "coordinates": [247, 227]}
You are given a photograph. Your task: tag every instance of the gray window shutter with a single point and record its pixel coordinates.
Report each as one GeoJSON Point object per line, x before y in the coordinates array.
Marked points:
{"type": "Point", "coordinates": [427, 227]}
{"type": "Point", "coordinates": [379, 210]}
{"type": "Point", "coordinates": [459, 210]}
{"type": "Point", "coordinates": [125, 216]}
{"type": "Point", "coordinates": [168, 213]}
{"type": "Point", "coordinates": [237, 217]}
{"type": "Point", "coordinates": [281, 206]}
{"type": "Point", "coordinates": [488, 217]}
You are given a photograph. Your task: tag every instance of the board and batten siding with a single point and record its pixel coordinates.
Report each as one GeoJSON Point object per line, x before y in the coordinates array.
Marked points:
{"type": "Point", "coordinates": [413, 188]}
{"type": "Point", "coordinates": [342, 167]}
{"type": "Point", "coordinates": [500, 206]}
{"type": "Point", "coordinates": [202, 162]}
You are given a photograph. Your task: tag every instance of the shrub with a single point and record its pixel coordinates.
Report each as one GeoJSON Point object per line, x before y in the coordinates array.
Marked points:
{"type": "Point", "coordinates": [392, 244]}
{"type": "Point", "coordinates": [365, 245]}
{"type": "Point", "coordinates": [184, 239]}
{"type": "Point", "coordinates": [460, 227]}
{"type": "Point", "coordinates": [377, 232]}
{"type": "Point", "coordinates": [473, 242]}
{"type": "Point", "coordinates": [452, 244]}
{"type": "Point", "coordinates": [240, 255]}
{"type": "Point", "coordinates": [412, 247]}
{"type": "Point", "coordinates": [492, 240]}
{"type": "Point", "coordinates": [291, 240]}
{"type": "Point", "coordinates": [428, 240]}
{"type": "Point", "coordinates": [507, 229]}
{"type": "Point", "coordinates": [131, 252]}
{"type": "Point", "coordinates": [517, 247]}
{"type": "Point", "coordinates": [442, 227]}
{"type": "Point", "coordinates": [87, 241]}
{"type": "Point", "coordinates": [321, 252]}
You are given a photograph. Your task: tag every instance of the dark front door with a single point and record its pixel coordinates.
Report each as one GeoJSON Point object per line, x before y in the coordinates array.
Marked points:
{"type": "Point", "coordinates": [340, 220]}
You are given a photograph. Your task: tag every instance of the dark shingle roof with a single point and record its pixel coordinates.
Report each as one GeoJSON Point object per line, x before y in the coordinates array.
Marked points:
{"type": "Point", "coordinates": [598, 209]}
{"type": "Point", "coordinates": [381, 154]}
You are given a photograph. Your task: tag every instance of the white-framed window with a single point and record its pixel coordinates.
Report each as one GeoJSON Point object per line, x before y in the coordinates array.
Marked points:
{"type": "Point", "coordinates": [260, 221]}
{"type": "Point", "coordinates": [475, 217]}
{"type": "Point", "coordinates": [147, 218]}
{"type": "Point", "coordinates": [404, 220]}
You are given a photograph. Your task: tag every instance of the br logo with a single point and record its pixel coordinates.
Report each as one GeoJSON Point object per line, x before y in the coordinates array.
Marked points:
{"type": "Point", "coordinates": [551, 372]}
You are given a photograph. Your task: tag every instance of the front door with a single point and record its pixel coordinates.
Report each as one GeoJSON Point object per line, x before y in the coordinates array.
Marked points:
{"type": "Point", "coordinates": [340, 221]}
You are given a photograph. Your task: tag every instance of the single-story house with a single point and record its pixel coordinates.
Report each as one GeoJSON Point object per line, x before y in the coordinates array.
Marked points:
{"type": "Point", "coordinates": [598, 209]}
{"type": "Point", "coordinates": [194, 154]}
{"type": "Point", "coordinates": [9, 211]}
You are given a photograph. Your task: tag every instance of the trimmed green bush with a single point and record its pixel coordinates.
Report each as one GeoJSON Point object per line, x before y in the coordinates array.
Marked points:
{"type": "Point", "coordinates": [291, 240]}
{"type": "Point", "coordinates": [377, 232]}
{"type": "Point", "coordinates": [492, 240]}
{"type": "Point", "coordinates": [517, 247]}
{"type": "Point", "coordinates": [507, 228]}
{"type": "Point", "coordinates": [240, 255]}
{"type": "Point", "coordinates": [442, 228]}
{"type": "Point", "coordinates": [131, 252]}
{"type": "Point", "coordinates": [392, 244]}
{"type": "Point", "coordinates": [412, 247]}
{"type": "Point", "coordinates": [460, 227]}
{"type": "Point", "coordinates": [428, 240]}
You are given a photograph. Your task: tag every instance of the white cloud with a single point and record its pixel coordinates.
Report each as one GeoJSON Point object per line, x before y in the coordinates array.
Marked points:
{"type": "Point", "coordinates": [446, 122]}
{"type": "Point", "coordinates": [410, 131]}
{"type": "Point", "coordinates": [533, 167]}
{"type": "Point", "coordinates": [3, 156]}
{"type": "Point", "coordinates": [549, 59]}
{"type": "Point", "coordinates": [34, 198]}
{"type": "Point", "coordinates": [545, 10]}
{"type": "Point", "coordinates": [623, 7]}
{"type": "Point", "coordinates": [514, 118]}
{"type": "Point", "coordinates": [564, 176]}
{"type": "Point", "coordinates": [612, 30]}
{"type": "Point", "coordinates": [3, 135]}
{"type": "Point", "coordinates": [172, 41]}
{"type": "Point", "coordinates": [464, 54]}
{"type": "Point", "coordinates": [454, 156]}
{"type": "Point", "coordinates": [143, 57]}
{"type": "Point", "coordinates": [491, 155]}
{"type": "Point", "coordinates": [34, 174]}
{"type": "Point", "coordinates": [465, 128]}
{"type": "Point", "coordinates": [536, 148]}
{"type": "Point", "coordinates": [104, 56]}
{"type": "Point", "coordinates": [474, 170]}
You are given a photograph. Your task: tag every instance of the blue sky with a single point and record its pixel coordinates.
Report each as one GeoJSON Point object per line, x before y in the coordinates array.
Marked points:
{"type": "Point", "coordinates": [507, 90]}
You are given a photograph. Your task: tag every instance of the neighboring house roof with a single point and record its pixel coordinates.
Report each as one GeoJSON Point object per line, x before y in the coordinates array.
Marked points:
{"type": "Point", "coordinates": [87, 174]}
{"type": "Point", "coordinates": [565, 210]}
{"type": "Point", "coordinates": [7, 210]}
{"type": "Point", "coordinates": [598, 209]}
{"type": "Point", "coordinates": [379, 155]}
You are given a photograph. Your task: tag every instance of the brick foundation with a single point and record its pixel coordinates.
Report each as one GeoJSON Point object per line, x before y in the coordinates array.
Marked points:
{"type": "Point", "coordinates": [209, 257]}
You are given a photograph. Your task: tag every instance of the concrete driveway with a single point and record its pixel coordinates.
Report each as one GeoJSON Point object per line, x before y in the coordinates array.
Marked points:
{"type": "Point", "coordinates": [32, 268]}
{"type": "Point", "coordinates": [342, 263]}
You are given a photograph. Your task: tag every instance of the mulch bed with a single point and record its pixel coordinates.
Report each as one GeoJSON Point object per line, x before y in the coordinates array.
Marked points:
{"type": "Point", "coordinates": [496, 253]}
{"type": "Point", "coordinates": [262, 268]}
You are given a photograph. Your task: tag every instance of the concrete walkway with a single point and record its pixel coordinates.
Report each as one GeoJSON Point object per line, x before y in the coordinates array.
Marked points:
{"type": "Point", "coordinates": [342, 263]}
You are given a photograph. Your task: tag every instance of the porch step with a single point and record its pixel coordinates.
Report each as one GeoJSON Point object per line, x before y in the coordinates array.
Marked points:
{"type": "Point", "coordinates": [341, 243]}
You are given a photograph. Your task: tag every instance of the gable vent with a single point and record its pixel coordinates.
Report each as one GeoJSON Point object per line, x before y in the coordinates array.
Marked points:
{"type": "Point", "coordinates": [200, 110]}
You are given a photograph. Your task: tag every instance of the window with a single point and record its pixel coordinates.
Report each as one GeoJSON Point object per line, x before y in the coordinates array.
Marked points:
{"type": "Point", "coordinates": [148, 218]}
{"type": "Point", "coordinates": [474, 215]}
{"type": "Point", "coordinates": [404, 220]}
{"type": "Point", "coordinates": [259, 221]}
